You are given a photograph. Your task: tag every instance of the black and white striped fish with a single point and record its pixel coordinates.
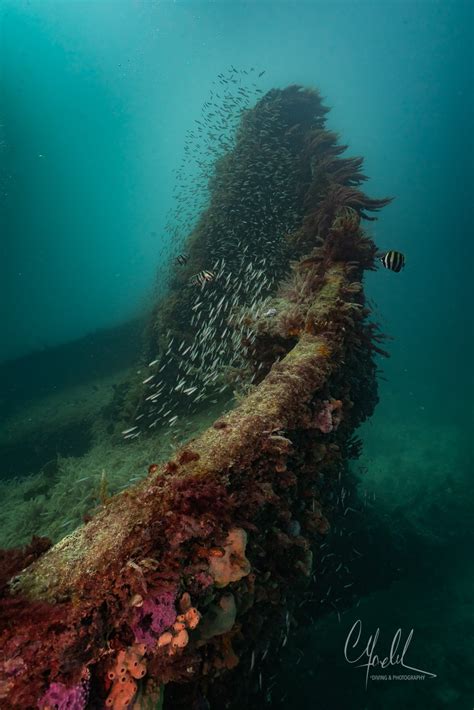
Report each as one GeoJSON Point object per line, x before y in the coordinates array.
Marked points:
{"type": "Point", "coordinates": [203, 277]}
{"type": "Point", "coordinates": [393, 260]}
{"type": "Point", "coordinates": [181, 260]}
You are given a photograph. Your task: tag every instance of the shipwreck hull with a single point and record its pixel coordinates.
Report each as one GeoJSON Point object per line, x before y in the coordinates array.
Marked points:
{"type": "Point", "coordinates": [192, 580]}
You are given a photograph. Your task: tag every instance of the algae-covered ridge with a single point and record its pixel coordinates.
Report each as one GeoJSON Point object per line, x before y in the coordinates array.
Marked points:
{"type": "Point", "coordinates": [231, 445]}
{"type": "Point", "coordinates": [189, 573]}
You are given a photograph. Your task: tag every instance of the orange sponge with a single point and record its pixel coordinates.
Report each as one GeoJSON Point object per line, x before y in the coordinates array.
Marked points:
{"type": "Point", "coordinates": [233, 564]}
{"type": "Point", "coordinates": [177, 637]}
{"type": "Point", "coordinates": [129, 665]}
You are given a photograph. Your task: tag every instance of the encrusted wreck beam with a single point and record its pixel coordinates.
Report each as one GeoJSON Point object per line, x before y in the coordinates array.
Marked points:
{"type": "Point", "coordinates": [83, 585]}
{"type": "Point", "coordinates": [120, 531]}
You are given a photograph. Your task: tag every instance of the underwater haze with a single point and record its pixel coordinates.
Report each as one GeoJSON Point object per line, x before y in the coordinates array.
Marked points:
{"type": "Point", "coordinates": [97, 99]}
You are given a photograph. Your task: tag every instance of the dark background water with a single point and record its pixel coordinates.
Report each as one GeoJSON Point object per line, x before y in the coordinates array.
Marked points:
{"type": "Point", "coordinates": [96, 99]}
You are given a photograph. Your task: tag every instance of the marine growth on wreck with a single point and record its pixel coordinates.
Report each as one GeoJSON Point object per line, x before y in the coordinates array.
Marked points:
{"type": "Point", "coordinates": [180, 591]}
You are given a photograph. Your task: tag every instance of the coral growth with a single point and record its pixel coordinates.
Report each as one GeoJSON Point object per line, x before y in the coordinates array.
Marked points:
{"type": "Point", "coordinates": [329, 416]}
{"type": "Point", "coordinates": [60, 697]}
{"type": "Point", "coordinates": [225, 656]}
{"type": "Point", "coordinates": [220, 617]}
{"type": "Point", "coordinates": [153, 616]}
{"type": "Point", "coordinates": [291, 321]}
{"type": "Point", "coordinates": [233, 564]}
{"type": "Point", "coordinates": [177, 637]}
{"type": "Point", "coordinates": [129, 667]}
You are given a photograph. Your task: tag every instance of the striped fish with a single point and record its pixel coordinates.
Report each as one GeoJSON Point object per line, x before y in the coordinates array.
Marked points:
{"type": "Point", "coordinates": [203, 277]}
{"type": "Point", "coordinates": [393, 260]}
{"type": "Point", "coordinates": [181, 260]}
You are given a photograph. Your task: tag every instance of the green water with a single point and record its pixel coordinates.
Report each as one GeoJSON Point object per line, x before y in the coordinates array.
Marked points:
{"type": "Point", "coordinates": [96, 100]}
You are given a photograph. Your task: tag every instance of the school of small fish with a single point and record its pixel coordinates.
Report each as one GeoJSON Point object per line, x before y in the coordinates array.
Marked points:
{"type": "Point", "coordinates": [239, 172]}
{"type": "Point", "coordinates": [250, 255]}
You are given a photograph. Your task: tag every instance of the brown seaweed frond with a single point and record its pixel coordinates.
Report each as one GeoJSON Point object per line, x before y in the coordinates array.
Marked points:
{"type": "Point", "coordinates": [340, 197]}
{"type": "Point", "coordinates": [323, 143]}
{"type": "Point", "coordinates": [347, 220]}
{"type": "Point", "coordinates": [347, 171]}
{"type": "Point", "coordinates": [302, 284]}
{"type": "Point", "coordinates": [291, 322]}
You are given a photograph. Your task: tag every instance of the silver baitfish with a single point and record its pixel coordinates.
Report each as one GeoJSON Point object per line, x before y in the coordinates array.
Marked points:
{"type": "Point", "coordinates": [393, 260]}
{"type": "Point", "coordinates": [203, 277]}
